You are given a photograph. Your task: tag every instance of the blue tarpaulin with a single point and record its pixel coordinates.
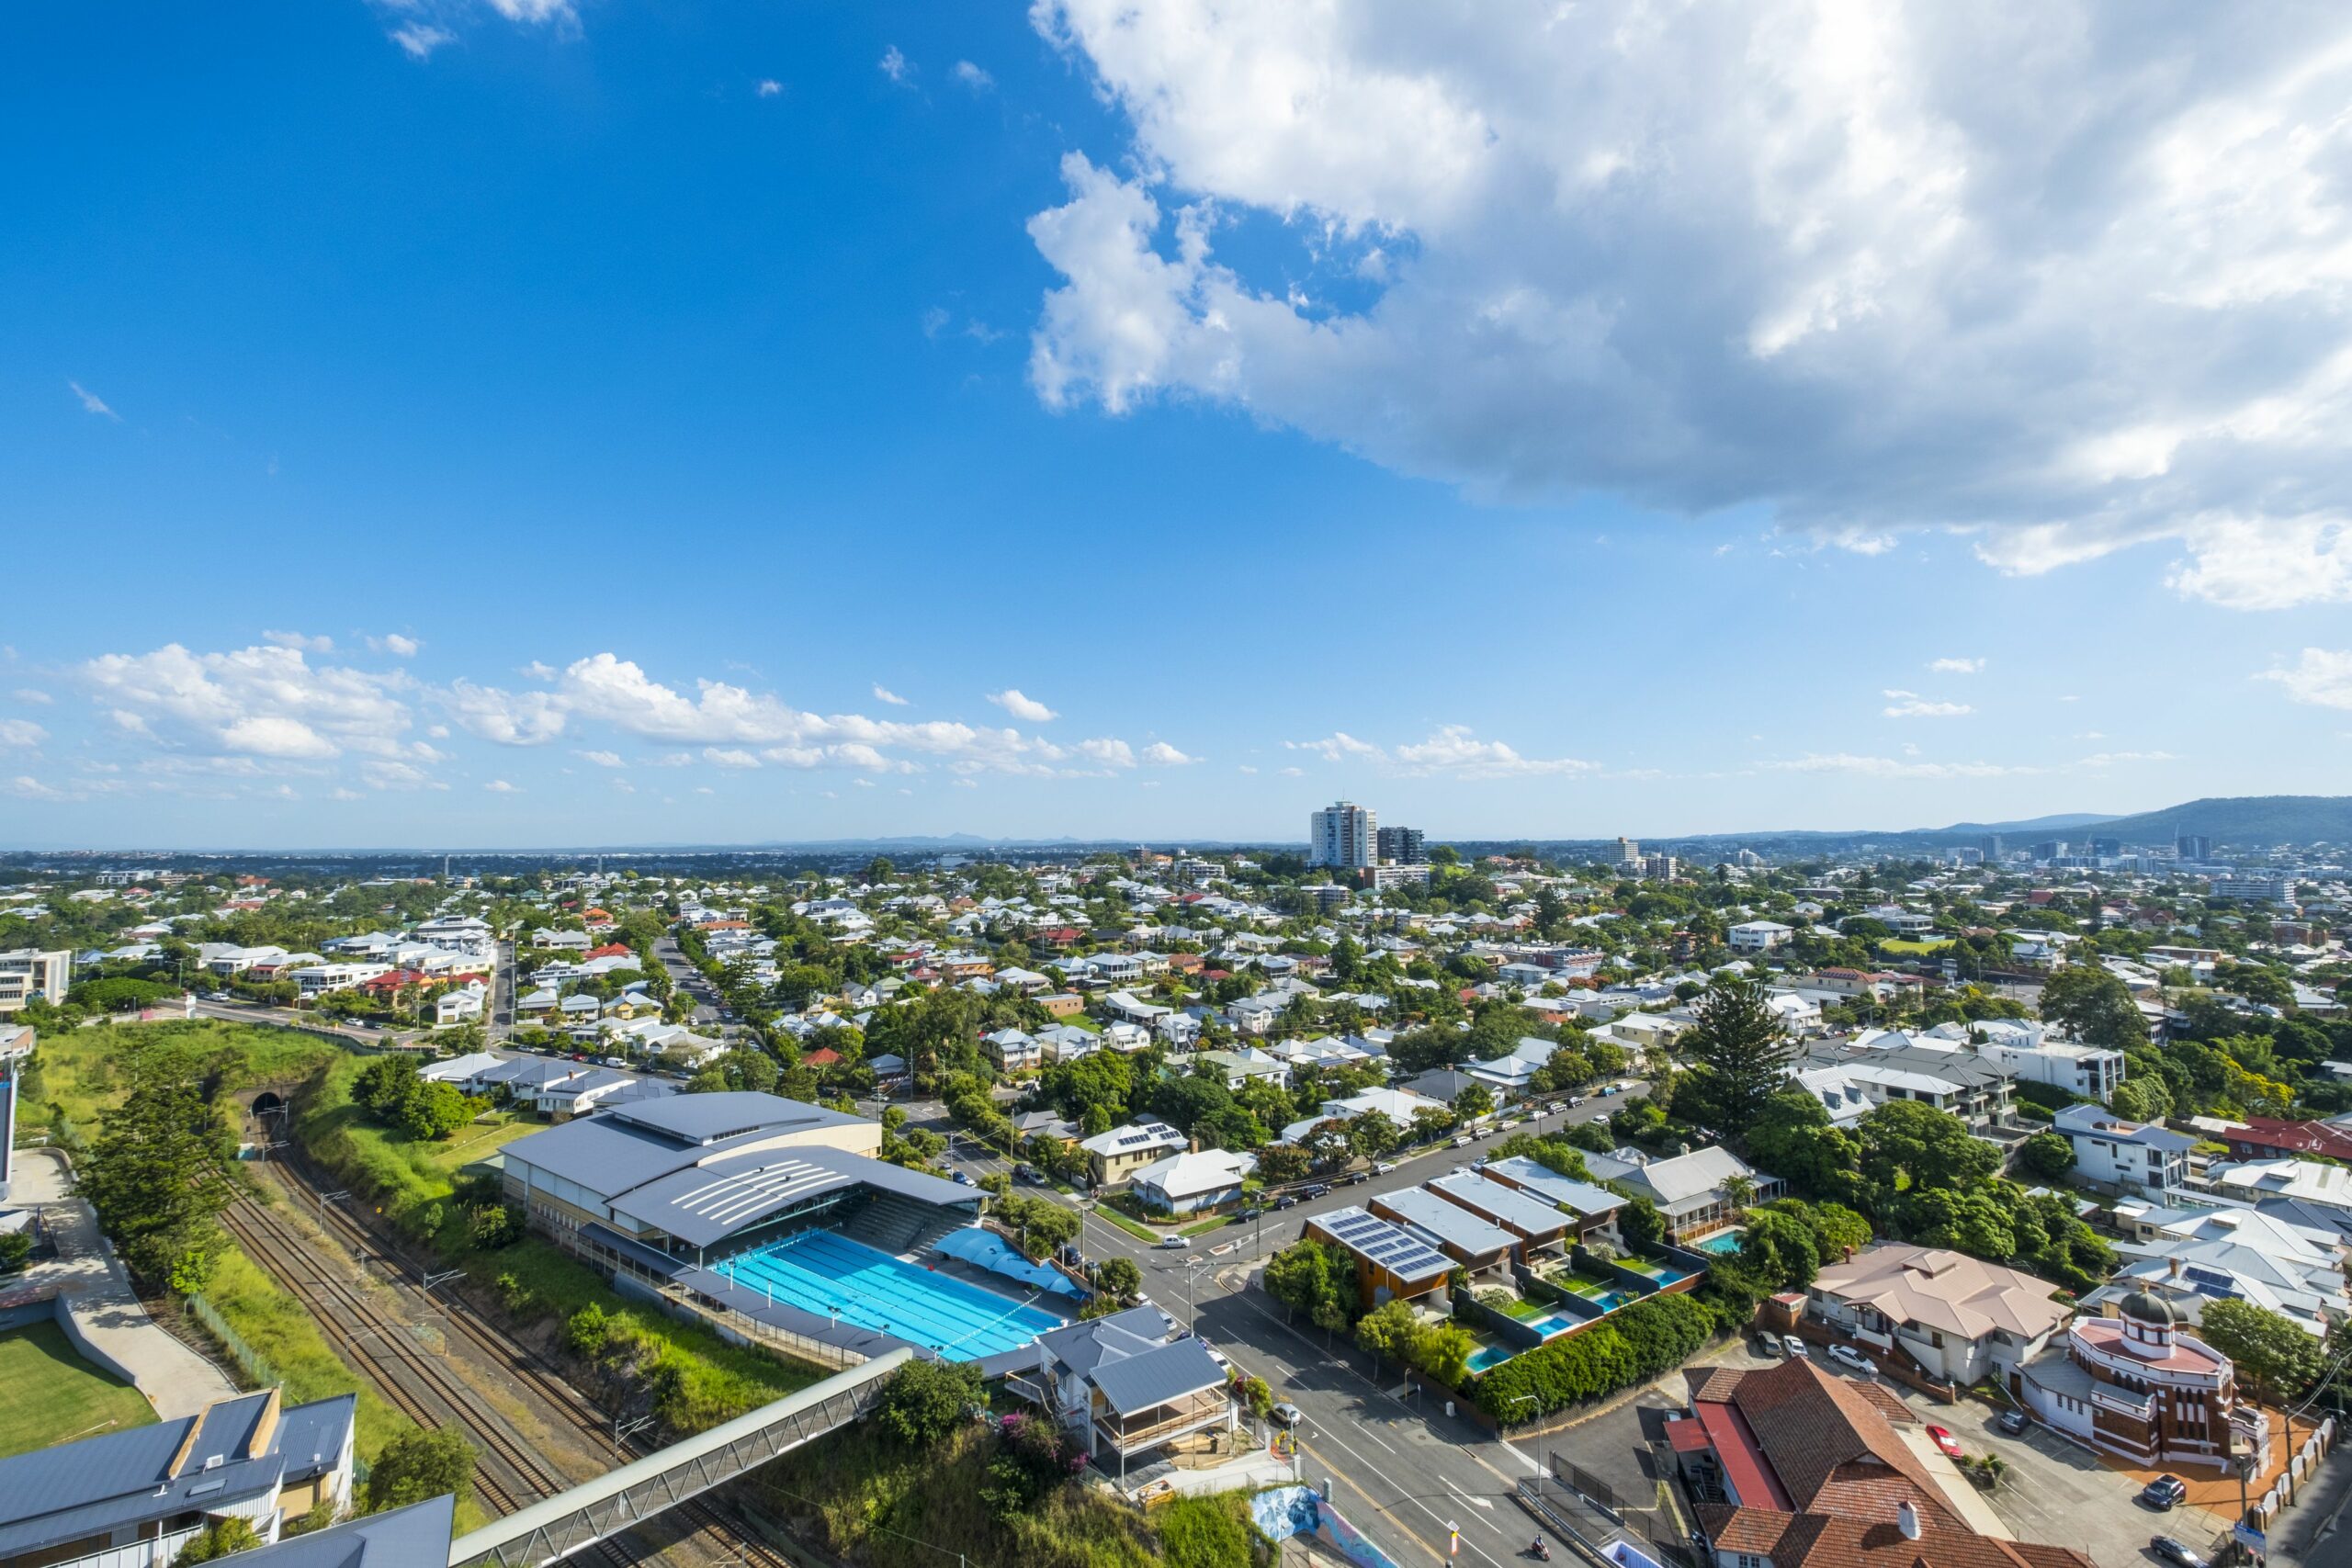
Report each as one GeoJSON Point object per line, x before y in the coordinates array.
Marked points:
{"type": "Point", "coordinates": [986, 1249]}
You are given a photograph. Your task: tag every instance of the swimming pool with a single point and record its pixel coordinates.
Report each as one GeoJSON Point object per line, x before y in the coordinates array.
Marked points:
{"type": "Point", "coordinates": [1548, 1326]}
{"type": "Point", "coordinates": [1487, 1355]}
{"type": "Point", "coordinates": [834, 1277]}
{"type": "Point", "coordinates": [1721, 1243]}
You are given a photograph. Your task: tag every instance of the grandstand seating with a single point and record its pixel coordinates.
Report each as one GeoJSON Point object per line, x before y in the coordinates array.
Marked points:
{"type": "Point", "coordinates": [902, 1227]}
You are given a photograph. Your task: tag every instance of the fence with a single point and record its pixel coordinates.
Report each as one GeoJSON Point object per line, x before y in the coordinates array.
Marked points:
{"type": "Point", "coordinates": [255, 1366]}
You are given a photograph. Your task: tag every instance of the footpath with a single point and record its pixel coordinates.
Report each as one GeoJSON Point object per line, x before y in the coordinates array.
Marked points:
{"type": "Point", "coordinates": [96, 1305]}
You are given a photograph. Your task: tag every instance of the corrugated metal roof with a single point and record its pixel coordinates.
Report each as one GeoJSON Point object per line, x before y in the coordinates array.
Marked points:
{"type": "Point", "coordinates": [705, 1204]}
{"type": "Point", "coordinates": [413, 1537]}
{"type": "Point", "coordinates": [709, 1118]}
{"type": "Point", "coordinates": [1156, 1377]}
{"type": "Point", "coordinates": [1506, 1205]}
{"type": "Point", "coordinates": [1452, 1225]}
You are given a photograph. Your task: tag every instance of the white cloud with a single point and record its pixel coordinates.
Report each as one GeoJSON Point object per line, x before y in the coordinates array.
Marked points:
{"type": "Point", "coordinates": [1159, 754]}
{"type": "Point", "coordinates": [268, 700]}
{"type": "Point", "coordinates": [2322, 677]}
{"type": "Point", "coordinates": [508, 719]}
{"type": "Point", "coordinates": [1911, 704]}
{"type": "Point", "coordinates": [419, 39]}
{"type": "Point", "coordinates": [24, 787]}
{"type": "Point", "coordinates": [770, 88]}
{"type": "Point", "coordinates": [1110, 754]}
{"type": "Point", "coordinates": [884, 694]}
{"type": "Point", "coordinates": [1890, 768]}
{"type": "Point", "coordinates": [391, 776]}
{"type": "Point", "coordinates": [1453, 748]}
{"type": "Point", "coordinates": [1957, 666]}
{"type": "Point", "coordinates": [395, 644]}
{"type": "Point", "coordinates": [33, 694]}
{"type": "Point", "coordinates": [21, 733]}
{"type": "Point", "coordinates": [92, 403]}
{"type": "Point", "coordinates": [965, 783]}
{"type": "Point", "coordinates": [538, 671]}
{"type": "Point", "coordinates": [499, 786]}
{"type": "Point", "coordinates": [728, 757]}
{"type": "Point", "coordinates": [1293, 772]}
{"type": "Point", "coordinates": [1338, 746]}
{"type": "Point", "coordinates": [1028, 709]}
{"type": "Point", "coordinates": [534, 11]}
{"type": "Point", "coordinates": [602, 759]}
{"type": "Point", "coordinates": [625, 786]}
{"type": "Point", "coordinates": [895, 65]}
{"type": "Point", "coordinates": [972, 76]}
{"type": "Point", "coordinates": [297, 640]}
{"type": "Point", "coordinates": [1870, 268]}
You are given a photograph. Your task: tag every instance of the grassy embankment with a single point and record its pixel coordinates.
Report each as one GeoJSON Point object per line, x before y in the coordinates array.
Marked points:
{"type": "Point", "coordinates": [49, 1395]}
{"type": "Point", "coordinates": [83, 1073]}
{"type": "Point", "coordinates": [880, 1505]}
{"type": "Point", "coordinates": [699, 1380]}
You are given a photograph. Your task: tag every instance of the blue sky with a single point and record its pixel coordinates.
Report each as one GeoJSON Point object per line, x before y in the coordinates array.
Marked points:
{"type": "Point", "coordinates": [555, 428]}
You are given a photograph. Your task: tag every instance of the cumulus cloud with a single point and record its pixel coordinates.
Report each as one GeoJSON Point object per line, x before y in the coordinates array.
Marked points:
{"type": "Point", "coordinates": [395, 644]}
{"type": "Point", "coordinates": [297, 640]}
{"type": "Point", "coordinates": [2322, 677]}
{"type": "Point", "coordinates": [499, 786]}
{"type": "Point", "coordinates": [22, 734]}
{"type": "Point", "coordinates": [265, 701]}
{"type": "Point", "coordinates": [770, 88]}
{"type": "Point", "coordinates": [1911, 704]}
{"type": "Point", "coordinates": [896, 65]}
{"type": "Point", "coordinates": [883, 694]}
{"type": "Point", "coordinates": [1957, 666]}
{"type": "Point", "coordinates": [1027, 709]}
{"type": "Point", "coordinates": [972, 76]}
{"type": "Point", "coordinates": [508, 719]}
{"type": "Point", "coordinates": [728, 757]}
{"type": "Point", "coordinates": [1159, 754]}
{"type": "Point", "coordinates": [24, 787]}
{"type": "Point", "coordinates": [33, 694]}
{"type": "Point", "coordinates": [602, 759]}
{"type": "Point", "coordinates": [2069, 279]}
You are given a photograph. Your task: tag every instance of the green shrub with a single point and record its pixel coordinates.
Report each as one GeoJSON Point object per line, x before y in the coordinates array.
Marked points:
{"type": "Point", "coordinates": [1633, 1345]}
{"type": "Point", "coordinates": [1208, 1532]}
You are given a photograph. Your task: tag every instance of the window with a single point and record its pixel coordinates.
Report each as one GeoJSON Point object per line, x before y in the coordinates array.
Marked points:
{"type": "Point", "coordinates": [1750, 1560]}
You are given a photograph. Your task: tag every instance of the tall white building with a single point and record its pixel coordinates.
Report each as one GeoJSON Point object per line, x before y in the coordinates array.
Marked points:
{"type": "Point", "coordinates": [1343, 834]}
{"type": "Point", "coordinates": [27, 972]}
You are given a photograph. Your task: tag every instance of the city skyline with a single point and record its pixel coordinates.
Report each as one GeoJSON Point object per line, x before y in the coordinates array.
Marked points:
{"type": "Point", "coordinates": [727, 433]}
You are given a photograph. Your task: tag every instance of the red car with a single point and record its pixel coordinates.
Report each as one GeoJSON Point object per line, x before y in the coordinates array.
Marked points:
{"type": "Point", "coordinates": [1944, 1441]}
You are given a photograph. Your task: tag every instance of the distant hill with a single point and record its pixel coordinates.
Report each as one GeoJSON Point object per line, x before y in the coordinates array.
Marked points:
{"type": "Point", "coordinates": [2058, 823]}
{"type": "Point", "coordinates": [2253, 821]}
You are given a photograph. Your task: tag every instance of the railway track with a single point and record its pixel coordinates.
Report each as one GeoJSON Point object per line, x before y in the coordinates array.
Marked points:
{"type": "Point", "coordinates": [413, 1381]}
{"type": "Point", "coordinates": [726, 1537]}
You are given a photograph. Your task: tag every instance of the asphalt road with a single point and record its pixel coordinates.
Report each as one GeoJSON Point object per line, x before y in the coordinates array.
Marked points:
{"type": "Point", "coordinates": [686, 977]}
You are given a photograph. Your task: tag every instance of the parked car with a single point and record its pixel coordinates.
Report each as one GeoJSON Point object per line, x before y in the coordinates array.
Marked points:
{"type": "Point", "coordinates": [1796, 1347]}
{"type": "Point", "coordinates": [1287, 1200]}
{"type": "Point", "coordinates": [2014, 1422]}
{"type": "Point", "coordinates": [964, 1179]}
{"type": "Point", "coordinates": [1251, 1212]}
{"type": "Point", "coordinates": [1944, 1441]}
{"type": "Point", "coordinates": [2176, 1552]}
{"type": "Point", "coordinates": [1356, 1177]}
{"type": "Point", "coordinates": [1314, 1190]}
{"type": "Point", "coordinates": [1850, 1357]}
{"type": "Point", "coordinates": [1028, 1173]}
{"type": "Point", "coordinates": [1605, 1090]}
{"type": "Point", "coordinates": [1224, 1362]}
{"type": "Point", "coordinates": [1173, 1244]}
{"type": "Point", "coordinates": [1462, 1142]}
{"type": "Point", "coordinates": [1575, 1101]}
{"type": "Point", "coordinates": [1289, 1415]}
{"type": "Point", "coordinates": [2165, 1492]}
{"type": "Point", "coordinates": [1384, 1167]}
{"type": "Point", "coordinates": [1769, 1343]}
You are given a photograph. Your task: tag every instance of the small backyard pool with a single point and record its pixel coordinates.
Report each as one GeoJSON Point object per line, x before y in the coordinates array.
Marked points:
{"type": "Point", "coordinates": [1486, 1356]}
{"type": "Point", "coordinates": [1720, 1244]}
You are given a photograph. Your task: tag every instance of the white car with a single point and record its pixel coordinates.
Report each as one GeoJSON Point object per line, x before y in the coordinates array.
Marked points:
{"type": "Point", "coordinates": [1851, 1357]}
{"type": "Point", "coordinates": [1796, 1347]}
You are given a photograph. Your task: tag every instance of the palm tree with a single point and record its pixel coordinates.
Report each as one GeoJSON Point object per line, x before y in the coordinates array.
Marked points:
{"type": "Point", "coordinates": [1738, 1191]}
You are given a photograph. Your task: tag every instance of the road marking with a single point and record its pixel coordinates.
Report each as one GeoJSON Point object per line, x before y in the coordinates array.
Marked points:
{"type": "Point", "coordinates": [1373, 1437]}
{"type": "Point", "coordinates": [1485, 1503]}
{"type": "Point", "coordinates": [1404, 1497]}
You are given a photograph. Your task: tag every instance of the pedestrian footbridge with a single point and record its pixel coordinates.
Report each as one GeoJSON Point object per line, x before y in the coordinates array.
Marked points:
{"type": "Point", "coordinates": [554, 1528]}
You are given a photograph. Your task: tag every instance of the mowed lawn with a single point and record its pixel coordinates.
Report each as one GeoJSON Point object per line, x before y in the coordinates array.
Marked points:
{"type": "Point", "coordinates": [49, 1394]}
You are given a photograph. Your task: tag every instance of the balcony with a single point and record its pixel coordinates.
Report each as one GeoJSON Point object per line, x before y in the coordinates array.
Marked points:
{"type": "Point", "coordinates": [2106, 1397]}
{"type": "Point", "coordinates": [1151, 1428]}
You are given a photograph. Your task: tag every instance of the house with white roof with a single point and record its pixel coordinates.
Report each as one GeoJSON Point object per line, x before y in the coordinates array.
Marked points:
{"type": "Point", "coordinates": [2301, 1180]}
{"type": "Point", "coordinates": [1689, 1189]}
{"type": "Point", "coordinates": [2228, 1253]}
{"type": "Point", "coordinates": [2139, 1158]}
{"type": "Point", "coordinates": [1759, 936]}
{"type": "Point", "coordinates": [1189, 1182]}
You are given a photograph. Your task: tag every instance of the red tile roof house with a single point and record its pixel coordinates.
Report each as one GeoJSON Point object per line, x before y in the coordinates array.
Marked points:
{"type": "Point", "coordinates": [392, 980]}
{"type": "Point", "coordinates": [822, 1056]}
{"type": "Point", "coordinates": [2264, 1137]}
{"type": "Point", "coordinates": [1797, 1468]}
{"type": "Point", "coordinates": [610, 950]}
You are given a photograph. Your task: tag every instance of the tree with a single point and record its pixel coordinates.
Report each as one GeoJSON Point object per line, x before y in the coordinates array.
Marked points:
{"type": "Point", "coordinates": [153, 1173]}
{"type": "Point", "coordinates": [1792, 1138]}
{"type": "Point", "coordinates": [2047, 1155]}
{"type": "Point", "coordinates": [1782, 1249]}
{"type": "Point", "coordinates": [1318, 1281]}
{"type": "Point", "coordinates": [1473, 1102]}
{"type": "Point", "coordinates": [1932, 1147]}
{"type": "Point", "coordinates": [1429, 1123]}
{"type": "Point", "coordinates": [924, 1401]}
{"type": "Point", "coordinates": [2269, 1349]}
{"type": "Point", "coordinates": [434, 1110]}
{"type": "Point", "coordinates": [2096, 1006]}
{"type": "Point", "coordinates": [1372, 1134]}
{"type": "Point", "coordinates": [1739, 1056]}
{"type": "Point", "coordinates": [218, 1538]}
{"type": "Point", "coordinates": [1388, 1331]}
{"type": "Point", "coordinates": [16, 1248]}
{"type": "Point", "coordinates": [1280, 1164]}
{"type": "Point", "coordinates": [1119, 1278]}
{"type": "Point", "coordinates": [421, 1464]}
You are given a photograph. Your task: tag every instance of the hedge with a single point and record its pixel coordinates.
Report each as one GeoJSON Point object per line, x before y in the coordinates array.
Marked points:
{"type": "Point", "coordinates": [1630, 1346]}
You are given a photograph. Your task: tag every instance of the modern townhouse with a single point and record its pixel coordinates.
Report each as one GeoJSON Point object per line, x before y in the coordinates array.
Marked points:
{"type": "Point", "coordinates": [2137, 1157]}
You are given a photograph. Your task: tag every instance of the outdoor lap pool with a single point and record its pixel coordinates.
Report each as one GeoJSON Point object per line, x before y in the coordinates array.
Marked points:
{"type": "Point", "coordinates": [819, 1273]}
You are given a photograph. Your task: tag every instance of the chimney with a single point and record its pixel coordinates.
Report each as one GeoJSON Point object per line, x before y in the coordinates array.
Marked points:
{"type": "Point", "coordinates": [1906, 1519]}
{"type": "Point", "coordinates": [1193, 1147]}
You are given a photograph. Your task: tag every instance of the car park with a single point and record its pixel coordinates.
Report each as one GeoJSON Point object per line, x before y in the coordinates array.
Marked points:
{"type": "Point", "coordinates": [1796, 1347]}
{"type": "Point", "coordinates": [2176, 1552]}
{"type": "Point", "coordinates": [1848, 1355]}
{"type": "Point", "coordinates": [1945, 1444]}
{"type": "Point", "coordinates": [2165, 1492]}
{"type": "Point", "coordinates": [1769, 1345]}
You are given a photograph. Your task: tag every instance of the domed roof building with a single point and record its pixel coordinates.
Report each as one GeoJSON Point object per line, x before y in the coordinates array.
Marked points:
{"type": "Point", "coordinates": [2137, 1385]}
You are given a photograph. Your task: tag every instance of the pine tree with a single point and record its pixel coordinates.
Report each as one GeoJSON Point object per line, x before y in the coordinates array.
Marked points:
{"type": "Point", "coordinates": [1739, 1056]}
